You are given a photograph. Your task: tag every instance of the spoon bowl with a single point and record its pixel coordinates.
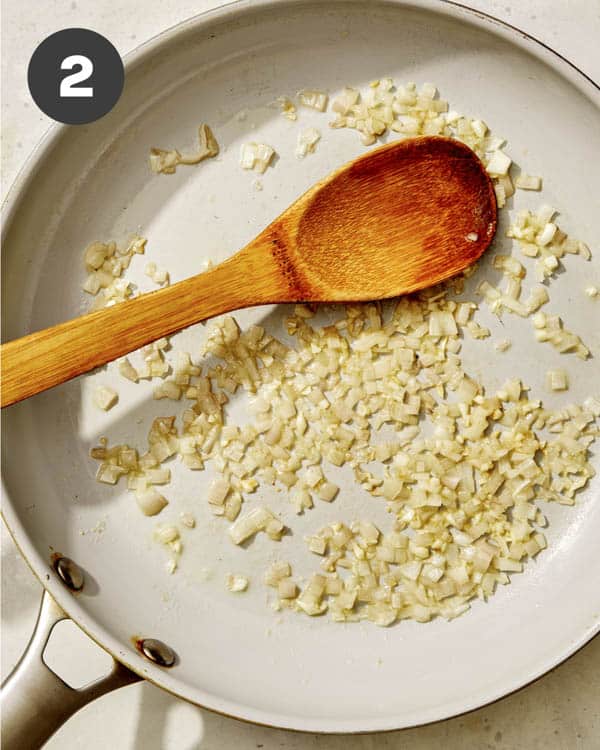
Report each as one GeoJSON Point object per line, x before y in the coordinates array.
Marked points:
{"type": "Point", "coordinates": [400, 218]}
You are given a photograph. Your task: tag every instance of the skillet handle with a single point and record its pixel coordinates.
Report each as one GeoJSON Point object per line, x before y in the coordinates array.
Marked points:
{"type": "Point", "coordinates": [35, 701]}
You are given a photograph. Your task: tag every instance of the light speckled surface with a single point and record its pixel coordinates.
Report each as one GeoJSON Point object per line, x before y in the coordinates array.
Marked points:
{"type": "Point", "coordinates": [560, 711]}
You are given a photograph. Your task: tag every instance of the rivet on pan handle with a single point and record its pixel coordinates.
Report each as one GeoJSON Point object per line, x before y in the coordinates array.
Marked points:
{"type": "Point", "coordinates": [35, 701]}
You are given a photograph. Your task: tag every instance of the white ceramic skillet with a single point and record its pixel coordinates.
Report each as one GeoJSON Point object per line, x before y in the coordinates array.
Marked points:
{"type": "Point", "coordinates": [234, 655]}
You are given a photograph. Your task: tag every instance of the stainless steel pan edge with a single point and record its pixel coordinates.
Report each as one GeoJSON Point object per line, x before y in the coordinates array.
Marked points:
{"type": "Point", "coordinates": [64, 599]}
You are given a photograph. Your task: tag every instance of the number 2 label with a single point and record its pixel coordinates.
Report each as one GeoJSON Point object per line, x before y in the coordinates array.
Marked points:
{"type": "Point", "coordinates": [67, 85]}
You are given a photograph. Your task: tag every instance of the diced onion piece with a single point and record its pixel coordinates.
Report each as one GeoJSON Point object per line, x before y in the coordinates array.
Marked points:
{"type": "Point", "coordinates": [207, 141]}
{"type": "Point", "coordinates": [347, 99]}
{"type": "Point", "coordinates": [259, 519]}
{"type": "Point", "coordinates": [109, 473]}
{"type": "Point", "coordinates": [502, 345]}
{"type": "Point", "coordinates": [537, 297]}
{"type": "Point", "coordinates": [509, 265]}
{"type": "Point", "coordinates": [150, 501]}
{"type": "Point", "coordinates": [236, 583]}
{"type": "Point", "coordinates": [94, 256]}
{"type": "Point", "coordinates": [302, 500]}
{"type": "Point", "coordinates": [442, 324]}
{"type": "Point", "coordinates": [314, 99]}
{"type": "Point", "coordinates": [498, 164]}
{"type": "Point", "coordinates": [381, 614]}
{"type": "Point", "coordinates": [127, 370]}
{"type": "Point", "coordinates": [248, 156]}
{"type": "Point", "coordinates": [545, 213]}
{"type": "Point", "coordinates": [307, 142]}
{"type": "Point", "coordinates": [310, 599]}
{"type": "Point", "coordinates": [317, 544]}
{"type": "Point", "coordinates": [218, 492]}
{"type": "Point", "coordinates": [277, 572]}
{"type": "Point", "coordinates": [166, 534]}
{"type": "Point", "coordinates": [528, 182]}
{"type": "Point", "coordinates": [288, 108]}
{"type": "Point", "coordinates": [168, 389]}
{"type": "Point", "coordinates": [504, 181]}
{"type": "Point", "coordinates": [104, 397]}
{"type": "Point", "coordinates": [313, 476]}
{"type": "Point", "coordinates": [557, 380]}
{"type": "Point", "coordinates": [327, 491]}
{"type": "Point", "coordinates": [158, 275]}
{"type": "Point", "coordinates": [411, 570]}
{"type": "Point", "coordinates": [500, 195]}
{"type": "Point", "coordinates": [477, 331]}
{"type": "Point", "coordinates": [256, 156]}
{"type": "Point", "coordinates": [188, 520]}
{"type": "Point", "coordinates": [547, 234]}
{"type": "Point", "coordinates": [287, 589]}
{"type": "Point", "coordinates": [166, 162]}
{"type": "Point", "coordinates": [507, 565]}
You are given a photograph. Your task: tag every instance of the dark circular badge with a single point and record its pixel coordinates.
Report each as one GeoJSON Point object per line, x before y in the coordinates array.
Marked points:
{"type": "Point", "coordinates": [75, 76]}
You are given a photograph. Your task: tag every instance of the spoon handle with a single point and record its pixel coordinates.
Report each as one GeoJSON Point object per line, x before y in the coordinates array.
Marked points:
{"type": "Point", "coordinates": [54, 355]}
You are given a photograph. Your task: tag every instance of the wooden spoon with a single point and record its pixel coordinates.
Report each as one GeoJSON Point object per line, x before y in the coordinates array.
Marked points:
{"type": "Point", "coordinates": [402, 217]}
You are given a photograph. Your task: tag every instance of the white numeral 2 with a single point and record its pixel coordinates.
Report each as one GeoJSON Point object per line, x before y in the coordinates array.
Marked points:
{"type": "Point", "coordinates": [67, 84]}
